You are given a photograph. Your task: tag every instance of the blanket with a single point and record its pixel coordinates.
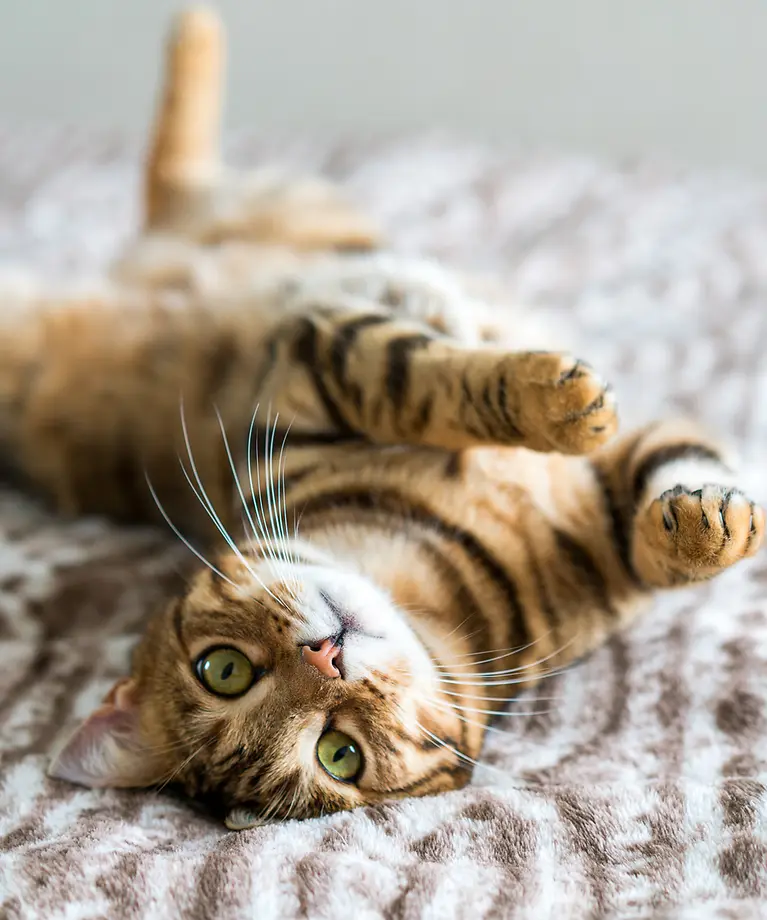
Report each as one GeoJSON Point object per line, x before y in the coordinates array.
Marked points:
{"type": "Point", "coordinates": [639, 790]}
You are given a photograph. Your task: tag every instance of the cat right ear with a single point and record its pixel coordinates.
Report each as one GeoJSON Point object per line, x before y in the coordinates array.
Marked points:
{"type": "Point", "coordinates": [105, 750]}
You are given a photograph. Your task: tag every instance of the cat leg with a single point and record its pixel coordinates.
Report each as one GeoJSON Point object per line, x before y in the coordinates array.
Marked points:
{"type": "Point", "coordinates": [188, 192]}
{"type": "Point", "coordinates": [656, 508]}
{"type": "Point", "coordinates": [367, 374]}
{"type": "Point", "coordinates": [676, 500]}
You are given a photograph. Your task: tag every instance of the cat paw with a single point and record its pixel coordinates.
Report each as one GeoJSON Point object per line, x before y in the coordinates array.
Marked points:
{"type": "Point", "coordinates": [701, 531]}
{"type": "Point", "coordinates": [567, 407]}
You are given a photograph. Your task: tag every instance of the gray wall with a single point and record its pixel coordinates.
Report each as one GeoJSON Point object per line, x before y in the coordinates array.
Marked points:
{"type": "Point", "coordinates": [682, 78]}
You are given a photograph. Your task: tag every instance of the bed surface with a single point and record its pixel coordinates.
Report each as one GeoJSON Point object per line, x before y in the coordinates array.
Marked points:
{"type": "Point", "coordinates": [641, 792]}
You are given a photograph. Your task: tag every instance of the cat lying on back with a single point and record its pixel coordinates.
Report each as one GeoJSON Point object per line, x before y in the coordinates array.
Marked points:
{"type": "Point", "coordinates": [409, 516]}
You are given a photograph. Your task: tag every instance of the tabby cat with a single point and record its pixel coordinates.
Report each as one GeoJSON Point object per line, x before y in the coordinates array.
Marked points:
{"type": "Point", "coordinates": [407, 517]}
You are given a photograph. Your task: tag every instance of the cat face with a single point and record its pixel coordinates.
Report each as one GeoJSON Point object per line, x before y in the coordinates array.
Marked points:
{"type": "Point", "coordinates": [275, 691]}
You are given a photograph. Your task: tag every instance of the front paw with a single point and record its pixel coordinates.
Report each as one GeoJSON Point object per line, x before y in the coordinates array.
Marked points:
{"type": "Point", "coordinates": [566, 406]}
{"type": "Point", "coordinates": [701, 531]}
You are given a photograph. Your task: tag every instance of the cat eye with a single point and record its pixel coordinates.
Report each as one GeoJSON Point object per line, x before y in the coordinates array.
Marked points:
{"type": "Point", "coordinates": [227, 672]}
{"type": "Point", "coordinates": [339, 755]}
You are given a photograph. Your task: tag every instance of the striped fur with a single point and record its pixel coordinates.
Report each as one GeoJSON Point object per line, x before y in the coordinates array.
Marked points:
{"type": "Point", "coordinates": [458, 507]}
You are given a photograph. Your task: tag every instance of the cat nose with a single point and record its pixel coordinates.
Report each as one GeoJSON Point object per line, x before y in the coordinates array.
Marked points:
{"type": "Point", "coordinates": [323, 658]}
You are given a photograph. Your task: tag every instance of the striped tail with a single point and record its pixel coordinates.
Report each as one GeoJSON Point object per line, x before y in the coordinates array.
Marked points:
{"type": "Point", "coordinates": [184, 152]}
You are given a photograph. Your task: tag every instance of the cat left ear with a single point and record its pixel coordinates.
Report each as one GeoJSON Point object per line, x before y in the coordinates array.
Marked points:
{"type": "Point", "coordinates": [105, 750]}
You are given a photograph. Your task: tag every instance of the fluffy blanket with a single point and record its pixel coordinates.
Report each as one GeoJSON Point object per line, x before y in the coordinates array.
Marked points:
{"type": "Point", "coordinates": [640, 792]}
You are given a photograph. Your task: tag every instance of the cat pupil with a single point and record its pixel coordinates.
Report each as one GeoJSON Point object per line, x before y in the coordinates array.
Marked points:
{"type": "Point", "coordinates": [227, 671]}
{"type": "Point", "coordinates": [341, 753]}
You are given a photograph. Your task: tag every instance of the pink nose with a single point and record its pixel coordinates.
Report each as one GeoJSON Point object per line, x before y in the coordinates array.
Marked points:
{"type": "Point", "coordinates": [323, 657]}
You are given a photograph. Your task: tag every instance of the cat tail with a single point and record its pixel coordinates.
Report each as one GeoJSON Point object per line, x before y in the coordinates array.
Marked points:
{"type": "Point", "coordinates": [184, 153]}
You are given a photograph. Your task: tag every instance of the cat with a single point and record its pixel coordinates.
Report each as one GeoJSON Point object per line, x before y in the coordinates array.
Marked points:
{"type": "Point", "coordinates": [410, 516]}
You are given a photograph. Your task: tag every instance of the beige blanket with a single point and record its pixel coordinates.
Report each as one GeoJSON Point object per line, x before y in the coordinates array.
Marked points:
{"type": "Point", "coordinates": [640, 792]}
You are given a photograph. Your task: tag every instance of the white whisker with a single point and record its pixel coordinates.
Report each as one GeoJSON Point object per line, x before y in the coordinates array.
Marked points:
{"type": "Point", "coordinates": [281, 461]}
{"type": "Point", "coordinates": [214, 517]}
{"type": "Point", "coordinates": [476, 723]}
{"type": "Point", "coordinates": [517, 670]}
{"type": "Point", "coordinates": [451, 707]}
{"type": "Point", "coordinates": [504, 653]}
{"type": "Point", "coordinates": [455, 630]}
{"type": "Point", "coordinates": [202, 495]}
{"type": "Point", "coordinates": [437, 740]}
{"type": "Point", "coordinates": [244, 504]}
{"type": "Point", "coordinates": [184, 763]}
{"type": "Point", "coordinates": [262, 514]}
{"type": "Point", "coordinates": [532, 678]}
{"type": "Point", "coordinates": [500, 699]}
{"type": "Point", "coordinates": [272, 498]}
{"type": "Point", "coordinates": [184, 540]}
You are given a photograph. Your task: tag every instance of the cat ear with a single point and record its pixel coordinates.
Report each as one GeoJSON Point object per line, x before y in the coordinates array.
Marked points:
{"type": "Point", "coordinates": [105, 750]}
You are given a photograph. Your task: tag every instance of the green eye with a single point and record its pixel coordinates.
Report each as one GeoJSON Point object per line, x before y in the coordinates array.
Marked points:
{"type": "Point", "coordinates": [226, 672]}
{"type": "Point", "coordinates": [339, 755]}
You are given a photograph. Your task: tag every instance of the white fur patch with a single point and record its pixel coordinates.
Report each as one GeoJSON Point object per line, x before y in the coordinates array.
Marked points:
{"type": "Point", "coordinates": [378, 636]}
{"type": "Point", "coordinates": [690, 472]}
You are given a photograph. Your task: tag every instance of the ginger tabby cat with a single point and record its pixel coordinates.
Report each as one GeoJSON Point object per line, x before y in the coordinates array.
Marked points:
{"type": "Point", "coordinates": [407, 518]}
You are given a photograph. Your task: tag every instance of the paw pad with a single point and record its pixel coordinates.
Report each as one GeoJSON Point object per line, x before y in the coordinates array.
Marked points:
{"type": "Point", "coordinates": [707, 528]}
{"type": "Point", "coordinates": [571, 408]}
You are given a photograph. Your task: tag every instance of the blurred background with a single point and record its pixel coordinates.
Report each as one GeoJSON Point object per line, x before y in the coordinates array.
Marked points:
{"type": "Point", "coordinates": [681, 79]}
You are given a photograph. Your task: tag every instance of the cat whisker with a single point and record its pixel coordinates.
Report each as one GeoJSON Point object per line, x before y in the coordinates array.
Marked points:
{"type": "Point", "coordinates": [532, 678]}
{"type": "Point", "coordinates": [282, 460]}
{"type": "Point", "coordinates": [184, 763]}
{"type": "Point", "coordinates": [503, 653]}
{"type": "Point", "coordinates": [184, 540]}
{"type": "Point", "coordinates": [244, 503]}
{"type": "Point", "coordinates": [461, 756]}
{"type": "Point", "coordinates": [278, 800]}
{"type": "Point", "coordinates": [276, 505]}
{"type": "Point", "coordinates": [171, 746]}
{"type": "Point", "coordinates": [269, 484]}
{"type": "Point", "coordinates": [236, 478]}
{"type": "Point", "coordinates": [455, 630]}
{"type": "Point", "coordinates": [250, 447]}
{"type": "Point", "coordinates": [292, 805]}
{"type": "Point", "coordinates": [276, 500]}
{"type": "Point", "coordinates": [498, 651]}
{"type": "Point", "coordinates": [482, 725]}
{"type": "Point", "coordinates": [517, 670]}
{"type": "Point", "coordinates": [203, 498]}
{"type": "Point", "coordinates": [498, 699]}
{"type": "Point", "coordinates": [233, 546]}
{"type": "Point", "coordinates": [442, 743]}
{"type": "Point", "coordinates": [261, 515]}
{"type": "Point", "coordinates": [489, 712]}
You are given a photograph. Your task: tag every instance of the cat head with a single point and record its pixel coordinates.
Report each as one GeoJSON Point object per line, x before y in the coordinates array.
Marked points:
{"type": "Point", "coordinates": [276, 691]}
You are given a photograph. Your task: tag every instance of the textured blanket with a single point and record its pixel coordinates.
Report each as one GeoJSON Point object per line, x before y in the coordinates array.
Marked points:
{"type": "Point", "coordinates": [640, 791]}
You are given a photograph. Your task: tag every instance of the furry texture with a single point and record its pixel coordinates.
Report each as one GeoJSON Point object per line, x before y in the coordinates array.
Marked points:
{"type": "Point", "coordinates": [651, 798]}
{"type": "Point", "coordinates": [640, 791]}
{"type": "Point", "coordinates": [469, 523]}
